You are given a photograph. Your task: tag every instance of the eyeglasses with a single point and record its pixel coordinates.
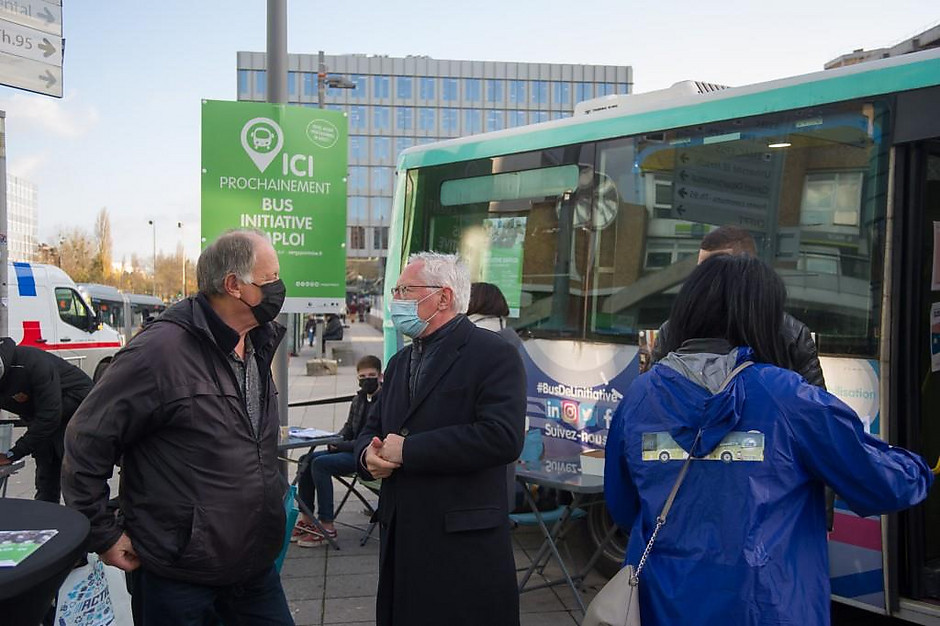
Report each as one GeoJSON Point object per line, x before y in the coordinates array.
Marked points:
{"type": "Point", "coordinates": [402, 290]}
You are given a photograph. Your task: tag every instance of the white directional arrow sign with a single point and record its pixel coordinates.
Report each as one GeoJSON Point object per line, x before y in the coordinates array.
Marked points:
{"type": "Point", "coordinates": [38, 14]}
{"type": "Point", "coordinates": [31, 45]}
{"type": "Point", "coordinates": [31, 75]}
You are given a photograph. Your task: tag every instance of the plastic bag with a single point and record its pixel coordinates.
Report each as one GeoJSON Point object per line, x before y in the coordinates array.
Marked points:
{"type": "Point", "coordinates": [290, 509]}
{"type": "Point", "coordinates": [94, 594]}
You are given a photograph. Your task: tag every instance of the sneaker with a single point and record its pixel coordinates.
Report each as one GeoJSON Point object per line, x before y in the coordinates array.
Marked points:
{"type": "Point", "coordinates": [315, 538]}
{"type": "Point", "coordinates": [311, 541]}
{"type": "Point", "coordinates": [301, 530]}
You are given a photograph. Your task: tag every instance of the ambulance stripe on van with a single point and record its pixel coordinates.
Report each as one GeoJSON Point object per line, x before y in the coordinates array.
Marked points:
{"type": "Point", "coordinates": [32, 336]}
{"type": "Point", "coordinates": [24, 279]}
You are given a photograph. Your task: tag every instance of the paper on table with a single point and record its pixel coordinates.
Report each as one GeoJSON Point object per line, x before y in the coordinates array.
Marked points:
{"type": "Point", "coordinates": [309, 433]}
{"type": "Point", "coordinates": [16, 545]}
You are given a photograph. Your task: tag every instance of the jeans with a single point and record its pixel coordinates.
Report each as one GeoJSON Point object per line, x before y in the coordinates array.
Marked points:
{"type": "Point", "coordinates": [310, 335]}
{"type": "Point", "coordinates": [318, 480]}
{"type": "Point", "coordinates": [159, 601]}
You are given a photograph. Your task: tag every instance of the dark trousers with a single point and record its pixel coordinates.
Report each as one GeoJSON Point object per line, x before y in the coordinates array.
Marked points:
{"type": "Point", "coordinates": [317, 481]}
{"type": "Point", "coordinates": [159, 601]}
{"type": "Point", "coordinates": [48, 458]}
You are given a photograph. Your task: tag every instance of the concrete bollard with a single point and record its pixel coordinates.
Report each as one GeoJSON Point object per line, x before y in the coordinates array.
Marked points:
{"type": "Point", "coordinates": [321, 367]}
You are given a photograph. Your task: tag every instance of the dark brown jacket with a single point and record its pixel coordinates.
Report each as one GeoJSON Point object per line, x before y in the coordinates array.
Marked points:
{"type": "Point", "coordinates": [201, 494]}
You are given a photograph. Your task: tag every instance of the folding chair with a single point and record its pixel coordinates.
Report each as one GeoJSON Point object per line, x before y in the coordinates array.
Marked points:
{"type": "Point", "coordinates": [550, 518]}
{"type": "Point", "coordinates": [352, 482]}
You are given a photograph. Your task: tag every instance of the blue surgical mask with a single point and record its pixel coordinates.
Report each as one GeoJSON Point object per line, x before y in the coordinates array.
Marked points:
{"type": "Point", "coordinates": [406, 319]}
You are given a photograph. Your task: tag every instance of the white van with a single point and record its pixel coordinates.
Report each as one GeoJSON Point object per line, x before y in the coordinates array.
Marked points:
{"type": "Point", "coordinates": [47, 312]}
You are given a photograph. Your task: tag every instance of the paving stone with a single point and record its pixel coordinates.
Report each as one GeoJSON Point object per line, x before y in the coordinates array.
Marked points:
{"type": "Point", "coordinates": [352, 585]}
{"type": "Point", "coordinates": [349, 610]}
{"type": "Point", "coordinates": [354, 564]}
{"type": "Point", "coordinates": [540, 601]}
{"type": "Point", "coordinates": [306, 612]}
{"type": "Point", "coordinates": [303, 587]}
{"type": "Point", "coordinates": [303, 567]}
{"type": "Point", "coordinates": [348, 540]}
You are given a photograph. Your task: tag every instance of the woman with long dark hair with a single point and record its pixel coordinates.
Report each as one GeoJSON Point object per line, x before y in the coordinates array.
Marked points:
{"type": "Point", "coordinates": [487, 307]}
{"type": "Point", "coordinates": [745, 541]}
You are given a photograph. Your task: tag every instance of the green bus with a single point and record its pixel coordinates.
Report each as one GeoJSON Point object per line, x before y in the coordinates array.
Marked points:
{"type": "Point", "coordinates": [590, 224]}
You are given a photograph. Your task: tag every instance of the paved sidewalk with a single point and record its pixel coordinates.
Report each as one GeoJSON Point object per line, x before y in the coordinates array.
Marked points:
{"type": "Point", "coordinates": [326, 586]}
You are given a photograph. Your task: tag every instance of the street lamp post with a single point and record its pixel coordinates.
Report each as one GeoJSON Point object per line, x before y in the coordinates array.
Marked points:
{"type": "Point", "coordinates": [183, 291]}
{"type": "Point", "coordinates": [153, 227]}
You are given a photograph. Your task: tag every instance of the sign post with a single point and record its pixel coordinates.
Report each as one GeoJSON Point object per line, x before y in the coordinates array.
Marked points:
{"type": "Point", "coordinates": [282, 170]}
{"type": "Point", "coordinates": [31, 45]}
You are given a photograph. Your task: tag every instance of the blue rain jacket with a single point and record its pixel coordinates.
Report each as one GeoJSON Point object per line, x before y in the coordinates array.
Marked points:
{"type": "Point", "coordinates": [745, 541]}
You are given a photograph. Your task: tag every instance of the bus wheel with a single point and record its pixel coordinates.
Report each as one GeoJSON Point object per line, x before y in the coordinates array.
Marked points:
{"type": "Point", "coordinates": [663, 456]}
{"type": "Point", "coordinates": [99, 371]}
{"type": "Point", "coordinates": [596, 527]}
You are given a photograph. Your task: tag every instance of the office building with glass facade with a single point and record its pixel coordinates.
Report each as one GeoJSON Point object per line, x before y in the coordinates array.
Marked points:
{"type": "Point", "coordinates": [22, 222]}
{"type": "Point", "coordinates": [396, 103]}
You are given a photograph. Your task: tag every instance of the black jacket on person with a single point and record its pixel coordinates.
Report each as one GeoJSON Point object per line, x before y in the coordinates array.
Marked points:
{"type": "Point", "coordinates": [802, 357]}
{"type": "Point", "coordinates": [42, 389]}
{"type": "Point", "coordinates": [333, 329]}
{"type": "Point", "coordinates": [202, 495]}
{"type": "Point", "coordinates": [446, 554]}
{"type": "Point", "coordinates": [359, 410]}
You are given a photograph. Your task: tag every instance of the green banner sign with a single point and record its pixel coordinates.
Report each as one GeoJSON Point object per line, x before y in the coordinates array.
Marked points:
{"type": "Point", "coordinates": [502, 261]}
{"type": "Point", "coordinates": [281, 170]}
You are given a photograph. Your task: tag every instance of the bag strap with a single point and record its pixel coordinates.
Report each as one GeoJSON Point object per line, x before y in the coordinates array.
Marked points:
{"type": "Point", "coordinates": [661, 519]}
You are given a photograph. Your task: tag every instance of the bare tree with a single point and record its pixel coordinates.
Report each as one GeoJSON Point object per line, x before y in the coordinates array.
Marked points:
{"type": "Point", "coordinates": [75, 248]}
{"type": "Point", "coordinates": [88, 258]}
{"type": "Point", "coordinates": [101, 263]}
{"type": "Point", "coordinates": [170, 275]}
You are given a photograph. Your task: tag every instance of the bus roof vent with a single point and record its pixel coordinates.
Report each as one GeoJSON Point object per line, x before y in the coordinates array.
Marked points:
{"type": "Point", "coordinates": [624, 103]}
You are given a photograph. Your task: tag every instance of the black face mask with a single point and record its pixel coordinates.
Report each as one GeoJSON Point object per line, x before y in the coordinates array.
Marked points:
{"type": "Point", "coordinates": [272, 299]}
{"type": "Point", "coordinates": [369, 385]}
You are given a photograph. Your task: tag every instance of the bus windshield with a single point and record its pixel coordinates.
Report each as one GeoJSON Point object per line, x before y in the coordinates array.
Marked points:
{"type": "Point", "coordinates": [592, 241]}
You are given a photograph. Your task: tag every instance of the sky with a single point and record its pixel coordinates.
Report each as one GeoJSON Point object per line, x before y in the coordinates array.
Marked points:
{"type": "Point", "coordinates": [126, 135]}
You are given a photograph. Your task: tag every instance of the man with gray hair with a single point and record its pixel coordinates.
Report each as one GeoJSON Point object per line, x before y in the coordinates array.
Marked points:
{"type": "Point", "coordinates": [451, 417]}
{"type": "Point", "coordinates": [189, 406]}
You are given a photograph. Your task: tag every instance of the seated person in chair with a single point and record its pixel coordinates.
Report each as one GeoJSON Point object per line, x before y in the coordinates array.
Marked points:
{"type": "Point", "coordinates": [336, 460]}
{"type": "Point", "coordinates": [333, 329]}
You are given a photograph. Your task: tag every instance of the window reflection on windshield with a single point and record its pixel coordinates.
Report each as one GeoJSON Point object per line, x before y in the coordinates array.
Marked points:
{"type": "Point", "coordinates": [594, 240]}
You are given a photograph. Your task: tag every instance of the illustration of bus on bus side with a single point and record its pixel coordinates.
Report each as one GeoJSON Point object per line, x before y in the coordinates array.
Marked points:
{"type": "Point", "coordinates": [736, 446]}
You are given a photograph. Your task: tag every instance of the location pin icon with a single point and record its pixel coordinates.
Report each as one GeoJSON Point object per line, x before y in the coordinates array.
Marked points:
{"type": "Point", "coordinates": [262, 140]}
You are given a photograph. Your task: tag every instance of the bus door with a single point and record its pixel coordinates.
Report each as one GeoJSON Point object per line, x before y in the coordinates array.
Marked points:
{"type": "Point", "coordinates": [914, 536]}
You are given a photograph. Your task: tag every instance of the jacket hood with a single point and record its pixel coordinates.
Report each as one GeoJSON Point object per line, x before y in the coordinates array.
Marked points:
{"type": "Point", "coordinates": [694, 403]}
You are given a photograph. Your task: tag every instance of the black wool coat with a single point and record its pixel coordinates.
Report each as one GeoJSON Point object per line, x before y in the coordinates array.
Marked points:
{"type": "Point", "coordinates": [446, 555]}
